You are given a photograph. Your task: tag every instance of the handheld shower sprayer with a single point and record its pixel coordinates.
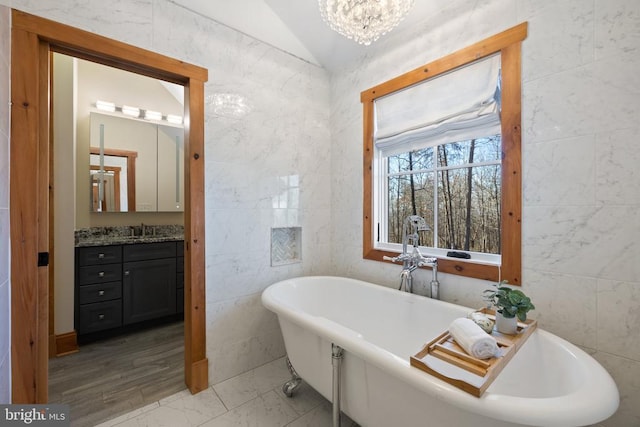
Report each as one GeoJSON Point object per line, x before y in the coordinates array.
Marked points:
{"type": "Point", "coordinates": [417, 223]}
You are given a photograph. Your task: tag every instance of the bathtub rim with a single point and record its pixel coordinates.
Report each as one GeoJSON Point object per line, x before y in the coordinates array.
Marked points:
{"type": "Point", "coordinates": [583, 406]}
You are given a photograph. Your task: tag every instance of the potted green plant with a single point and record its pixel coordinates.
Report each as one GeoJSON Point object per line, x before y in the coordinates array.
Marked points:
{"type": "Point", "coordinates": [510, 304]}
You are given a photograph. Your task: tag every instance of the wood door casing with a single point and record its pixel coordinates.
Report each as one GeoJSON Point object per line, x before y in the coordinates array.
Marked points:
{"type": "Point", "coordinates": [32, 41]}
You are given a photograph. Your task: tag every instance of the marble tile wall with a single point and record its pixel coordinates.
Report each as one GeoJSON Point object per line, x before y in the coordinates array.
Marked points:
{"type": "Point", "coordinates": [580, 114]}
{"type": "Point", "coordinates": [253, 163]}
{"type": "Point", "coordinates": [581, 225]}
{"type": "Point", "coordinates": [5, 296]}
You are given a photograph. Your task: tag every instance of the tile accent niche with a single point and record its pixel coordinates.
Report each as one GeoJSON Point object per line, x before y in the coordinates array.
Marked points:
{"type": "Point", "coordinates": [286, 246]}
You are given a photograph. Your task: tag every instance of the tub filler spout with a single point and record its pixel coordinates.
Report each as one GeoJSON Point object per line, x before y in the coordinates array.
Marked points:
{"type": "Point", "coordinates": [413, 224]}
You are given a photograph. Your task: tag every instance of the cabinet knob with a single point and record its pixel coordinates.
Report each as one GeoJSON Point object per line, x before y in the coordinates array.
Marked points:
{"type": "Point", "coordinates": [100, 316]}
{"type": "Point", "coordinates": [101, 293]}
{"type": "Point", "coordinates": [101, 274]}
{"type": "Point", "coordinates": [100, 256]}
{"type": "Point", "coordinates": [126, 273]}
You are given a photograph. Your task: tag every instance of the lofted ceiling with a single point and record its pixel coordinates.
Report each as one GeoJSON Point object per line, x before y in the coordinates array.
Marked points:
{"type": "Point", "coordinates": [296, 26]}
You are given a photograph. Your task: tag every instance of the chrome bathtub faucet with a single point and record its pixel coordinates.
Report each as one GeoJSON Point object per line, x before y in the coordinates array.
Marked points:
{"type": "Point", "coordinates": [413, 260]}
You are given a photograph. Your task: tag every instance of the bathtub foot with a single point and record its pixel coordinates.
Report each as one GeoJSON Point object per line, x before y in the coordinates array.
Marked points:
{"type": "Point", "coordinates": [292, 385]}
{"type": "Point", "coordinates": [336, 361]}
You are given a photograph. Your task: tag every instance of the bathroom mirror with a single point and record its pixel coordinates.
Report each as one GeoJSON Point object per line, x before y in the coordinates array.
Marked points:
{"type": "Point", "coordinates": [128, 138]}
{"type": "Point", "coordinates": [170, 169]}
{"type": "Point", "coordinates": [135, 165]}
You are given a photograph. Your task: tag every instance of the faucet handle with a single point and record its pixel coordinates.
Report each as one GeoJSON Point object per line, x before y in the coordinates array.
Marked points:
{"type": "Point", "coordinates": [399, 258]}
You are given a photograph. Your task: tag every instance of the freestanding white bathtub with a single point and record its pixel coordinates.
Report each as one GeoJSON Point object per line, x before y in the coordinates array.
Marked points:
{"type": "Point", "coordinates": [549, 382]}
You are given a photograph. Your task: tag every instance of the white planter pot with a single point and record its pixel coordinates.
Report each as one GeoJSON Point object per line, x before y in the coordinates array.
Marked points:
{"type": "Point", "coordinates": [506, 325]}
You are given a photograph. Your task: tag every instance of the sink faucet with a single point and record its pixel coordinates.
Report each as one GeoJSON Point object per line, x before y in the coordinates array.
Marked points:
{"type": "Point", "coordinates": [147, 230]}
{"type": "Point", "coordinates": [413, 260]}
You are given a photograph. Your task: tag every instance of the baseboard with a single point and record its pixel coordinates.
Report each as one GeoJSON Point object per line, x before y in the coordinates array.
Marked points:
{"type": "Point", "coordinates": [66, 343]}
{"type": "Point", "coordinates": [198, 376]}
{"type": "Point", "coordinates": [52, 346]}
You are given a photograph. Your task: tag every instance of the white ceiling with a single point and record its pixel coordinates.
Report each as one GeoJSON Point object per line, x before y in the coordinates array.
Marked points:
{"type": "Point", "coordinates": [296, 26]}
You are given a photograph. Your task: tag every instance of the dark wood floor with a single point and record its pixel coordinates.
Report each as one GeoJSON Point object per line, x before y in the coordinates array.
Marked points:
{"type": "Point", "coordinates": [115, 376]}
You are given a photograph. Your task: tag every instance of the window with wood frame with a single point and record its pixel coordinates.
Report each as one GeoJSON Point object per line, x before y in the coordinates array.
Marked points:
{"type": "Point", "coordinates": [443, 142]}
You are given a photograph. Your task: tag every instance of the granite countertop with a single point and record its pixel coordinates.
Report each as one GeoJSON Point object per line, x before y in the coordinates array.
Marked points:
{"type": "Point", "coordinates": [103, 236]}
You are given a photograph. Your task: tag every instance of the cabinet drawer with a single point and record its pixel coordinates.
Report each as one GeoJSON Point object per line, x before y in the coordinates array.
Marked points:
{"type": "Point", "coordinates": [99, 255]}
{"type": "Point", "coordinates": [100, 316]}
{"type": "Point", "coordinates": [100, 292]}
{"type": "Point", "coordinates": [145, 251]}
{"type": "Point", "coordinates": [99, 274]}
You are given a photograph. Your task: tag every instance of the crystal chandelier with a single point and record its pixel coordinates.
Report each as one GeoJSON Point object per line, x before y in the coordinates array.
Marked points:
{"type": "Point", "coordinates": [364, 21]}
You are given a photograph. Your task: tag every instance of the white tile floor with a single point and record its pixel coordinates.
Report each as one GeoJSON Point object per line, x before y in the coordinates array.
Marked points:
{"type": "Point", "coordinates": [254, 398]}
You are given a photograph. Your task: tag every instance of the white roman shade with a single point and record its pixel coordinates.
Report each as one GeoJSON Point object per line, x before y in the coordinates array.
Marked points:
{"type": "Point", "coordinates": [457, 106]}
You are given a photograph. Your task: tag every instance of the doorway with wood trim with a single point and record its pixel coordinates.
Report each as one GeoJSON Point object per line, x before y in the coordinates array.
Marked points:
{"type": "Point", "coordinates": [33, 39]}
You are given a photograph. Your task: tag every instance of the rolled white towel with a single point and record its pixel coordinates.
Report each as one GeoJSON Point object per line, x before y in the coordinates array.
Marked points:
{"type": "Point", "coordinates": [473, 339]}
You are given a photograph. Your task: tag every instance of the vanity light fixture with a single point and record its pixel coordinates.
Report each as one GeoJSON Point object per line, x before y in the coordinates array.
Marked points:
{"type": "Point", "coordinates": [152, 115]}
{"type": "Point", "coordinates": [137, 112]}
{"type": "Point", "coordinates": [364, 21]}
{"type": "Point", "coordinates": [172, 118]}
{"type": "Point", "coordinates": [106, 106]}
{"type": "Point", "coordinates": [131, 111]}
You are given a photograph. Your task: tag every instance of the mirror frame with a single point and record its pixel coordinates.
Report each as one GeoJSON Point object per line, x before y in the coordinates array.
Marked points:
{"type": "Point", "coordinates": [33, 39]}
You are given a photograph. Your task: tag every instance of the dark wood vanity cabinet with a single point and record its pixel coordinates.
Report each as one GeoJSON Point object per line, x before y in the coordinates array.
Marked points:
{"type": "Point", "coordinates": [98, 288]}
{"type": "Point", "coordinates": [121, 285]}
{"type": "Point", "coordinates": [148, 281]}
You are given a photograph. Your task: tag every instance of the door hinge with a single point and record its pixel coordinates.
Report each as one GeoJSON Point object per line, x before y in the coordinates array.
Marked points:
{"type": "Point", "coordinates": [43, 259]}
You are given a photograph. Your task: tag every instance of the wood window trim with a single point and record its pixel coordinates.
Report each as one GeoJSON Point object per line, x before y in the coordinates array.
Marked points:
{"type": "Point", "coordinates": [509, 44]}
{"type": "Point", "coordinates": [32, 41]}
{"type": "Point", "coordinates": [131, 157]}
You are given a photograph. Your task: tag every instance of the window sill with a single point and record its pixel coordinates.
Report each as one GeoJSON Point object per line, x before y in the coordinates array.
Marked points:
{"type": "Point", "coordinates": [459, 267]}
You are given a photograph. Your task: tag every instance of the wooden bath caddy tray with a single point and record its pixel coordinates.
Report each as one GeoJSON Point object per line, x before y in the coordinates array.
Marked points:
{"type": "Point", "coordinates": [445, 348]}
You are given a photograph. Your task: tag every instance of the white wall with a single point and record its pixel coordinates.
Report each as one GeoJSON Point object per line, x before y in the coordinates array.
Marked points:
{"type": "Point", "coordinates": [64, 200]}
{"type": "Point", "coordinates": [5, 300]}
{"type": "Point", "coordinates": [581, 220]}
